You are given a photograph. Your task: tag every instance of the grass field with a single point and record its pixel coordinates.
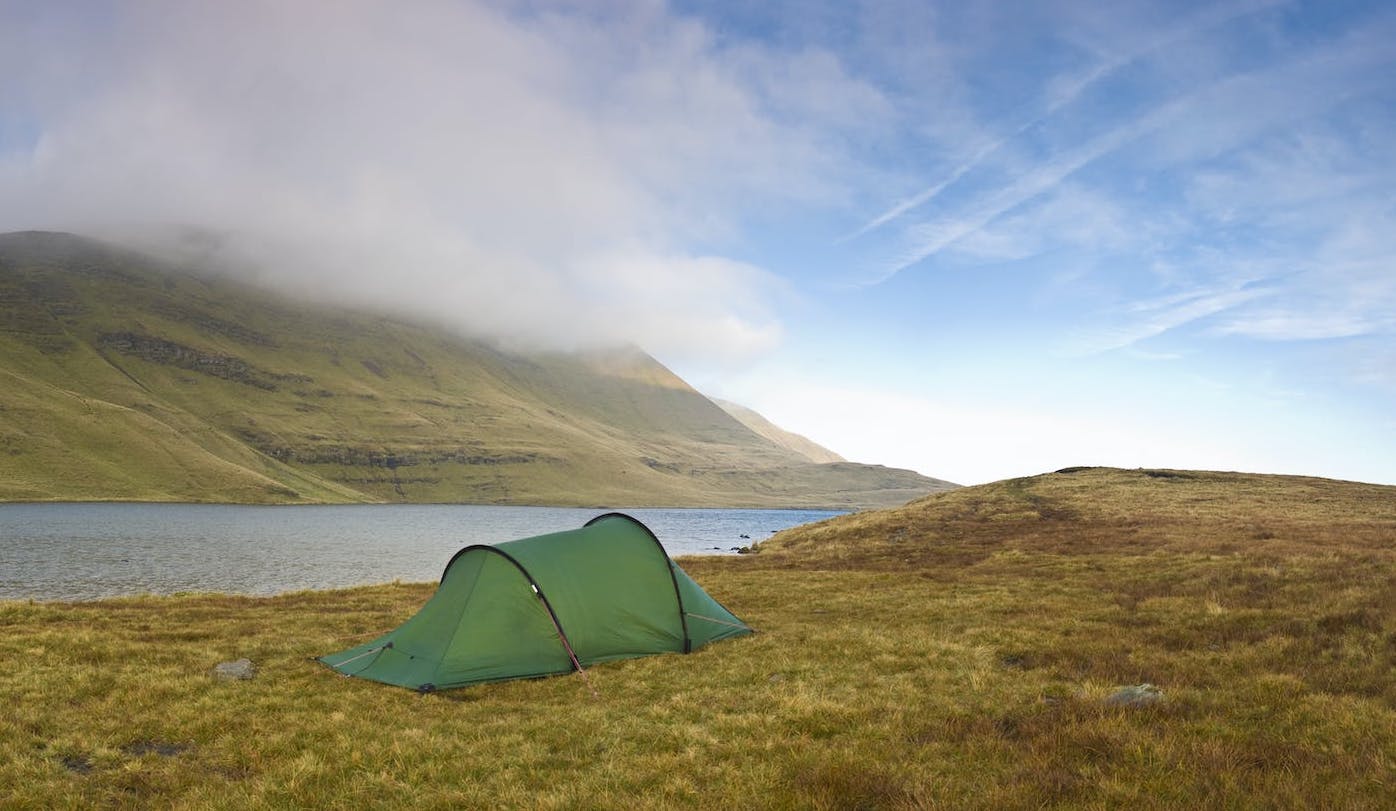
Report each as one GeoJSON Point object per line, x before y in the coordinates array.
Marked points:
{"type": "Point", "coordinates": [954, 653]}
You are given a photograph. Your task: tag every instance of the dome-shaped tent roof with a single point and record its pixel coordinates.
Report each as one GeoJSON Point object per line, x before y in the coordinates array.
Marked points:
{"type": "Point", "coordinates": [545, 605]}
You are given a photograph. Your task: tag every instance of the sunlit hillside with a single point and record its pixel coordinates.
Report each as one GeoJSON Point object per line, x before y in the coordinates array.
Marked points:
{"type": "Point", "coordinates": [1082, 511]}
{"type": "Point", "coordinates": [128, 378]}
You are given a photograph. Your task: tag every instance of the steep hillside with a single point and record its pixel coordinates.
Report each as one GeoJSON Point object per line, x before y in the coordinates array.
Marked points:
{"type": "Point", "coordinates": [126, 378]}
{"type": "Point", "coordinates": [812, 451]}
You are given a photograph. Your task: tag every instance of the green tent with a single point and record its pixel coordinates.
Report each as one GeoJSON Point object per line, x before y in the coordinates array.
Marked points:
{"type": "Point", "coordinates": [545, 605]}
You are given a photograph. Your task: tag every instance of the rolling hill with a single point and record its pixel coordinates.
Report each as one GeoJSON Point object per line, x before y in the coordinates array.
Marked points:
{"type": "Point", "coordinates": [125, 377]}
{"type": "Point", "coordinates": [1082, 511]}
{"type": "Point", "coordinates": [969, 651]}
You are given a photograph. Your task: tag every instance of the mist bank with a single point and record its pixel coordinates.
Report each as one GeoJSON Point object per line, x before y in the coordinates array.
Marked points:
{"type": "Point", "coordinates": [439, 163]}
{"type": "Point", "coordinates": [134, 379]}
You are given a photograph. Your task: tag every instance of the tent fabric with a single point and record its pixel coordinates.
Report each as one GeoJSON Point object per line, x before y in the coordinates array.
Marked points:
{"type": "Point", "coordinates": [546, 605]}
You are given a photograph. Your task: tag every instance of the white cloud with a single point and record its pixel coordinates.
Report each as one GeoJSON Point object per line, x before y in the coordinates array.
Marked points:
{"type": "Point", "coordinates": [1062, 91]}
{"type": "Point", "coordinates": [712, 290]}
{"type": "Point", "coordinates": [1284, 325]}
{"type": "Point", "coordinates": [1162, 129]}
{"type": "Point", "coordinates": [1330, 301]}
{"type": "Point", "coordinates": [1177, 185]}
{"type": "Point", "coordinates": [488, 166]}
{"type": "Point", "coordinates": [1072, 215]}
{"type": "Point", "coordinates": [929, 238]}
{"type": "Point", "coordinates": [1148, 319]}
{"type": "Point", "coordinates": [1330, 233]}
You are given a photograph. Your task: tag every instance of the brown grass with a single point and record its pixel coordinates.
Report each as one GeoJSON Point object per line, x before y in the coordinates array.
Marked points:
{"type": "Point", "coordinates": [955, 653]}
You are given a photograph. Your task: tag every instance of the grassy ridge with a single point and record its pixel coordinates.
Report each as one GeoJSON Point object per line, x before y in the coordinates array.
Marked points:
{"type": "Point", "coordinates": [124, 378]}
{"type": "Point", "coordinates": [954, 653]}
{"type": "Point", "coordinates": [801, 445]}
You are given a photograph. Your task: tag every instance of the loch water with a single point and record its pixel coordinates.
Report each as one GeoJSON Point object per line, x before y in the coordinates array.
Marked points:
{"type": "Point", "coordinates": [90, 551]}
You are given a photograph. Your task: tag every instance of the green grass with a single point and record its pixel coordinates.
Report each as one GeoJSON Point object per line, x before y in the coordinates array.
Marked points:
{"type": "Point", "coordinates": [122, 378]}
{"type": "Point", "coordinates": [954, 653]}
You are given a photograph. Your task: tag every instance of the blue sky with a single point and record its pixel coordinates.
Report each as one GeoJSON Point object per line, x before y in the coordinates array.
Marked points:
{"type": "Point", "coordinates": [979, 240]}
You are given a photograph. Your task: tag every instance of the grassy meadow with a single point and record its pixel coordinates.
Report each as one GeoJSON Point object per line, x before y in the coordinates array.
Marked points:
{"type": "Point", "coordinates": [954, 653]}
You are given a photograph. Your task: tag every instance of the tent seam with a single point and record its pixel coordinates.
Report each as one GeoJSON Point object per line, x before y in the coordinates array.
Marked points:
{"type": "Point", "coordinates": [469, 597]}
{"type": "Point", "coordinates": [548, 606]}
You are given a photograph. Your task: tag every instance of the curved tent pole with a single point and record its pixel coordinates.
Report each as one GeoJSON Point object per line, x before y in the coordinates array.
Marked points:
{"type": "Point", "coordinates": [557, 624]}
{"type": "Point", "coordinates": [668, 562]}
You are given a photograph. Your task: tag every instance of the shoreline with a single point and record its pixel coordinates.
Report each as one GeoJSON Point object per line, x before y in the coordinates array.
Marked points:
{"type": "Point", "coordinates": [305, 592]}
{"type": "Point", "coordinates": [843, 508]}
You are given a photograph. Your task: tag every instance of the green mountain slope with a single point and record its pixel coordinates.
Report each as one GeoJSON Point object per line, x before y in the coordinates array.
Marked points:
{"type": "Point", "coordinates": [122, 377]}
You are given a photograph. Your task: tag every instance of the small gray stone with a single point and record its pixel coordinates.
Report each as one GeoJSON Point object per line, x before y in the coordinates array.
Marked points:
{"type": "Point", "coordinates": [1136, 695]}
{"type": "Point", "coordinates": [232, 671]}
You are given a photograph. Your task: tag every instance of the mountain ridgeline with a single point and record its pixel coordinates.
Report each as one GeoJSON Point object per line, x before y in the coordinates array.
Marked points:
{"type": "Point", "coordinates": [123, 377]}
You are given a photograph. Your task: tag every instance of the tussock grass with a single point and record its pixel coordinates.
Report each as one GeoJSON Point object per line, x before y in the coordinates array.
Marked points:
{"type": "Point", "coordinates": [955, 653]}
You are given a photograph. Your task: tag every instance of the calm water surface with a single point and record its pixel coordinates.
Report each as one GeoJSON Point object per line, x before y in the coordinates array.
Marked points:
{"type": "Point", "coordinates": [87, 551]}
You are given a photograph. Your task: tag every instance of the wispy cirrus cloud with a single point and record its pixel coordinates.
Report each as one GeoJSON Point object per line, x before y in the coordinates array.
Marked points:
{"type": "Point", "coordinates": [1064, 90]}
{"type": "Point", "coordinates": [1171, 137]}
{"type": "Point", "coordinates": [1065, 190]}
{"type": "Point", "coordinates": [931, 237]}
{"type": "Point", "coordinates": [1149, 319]}
{"type": "Point", "coordinates": [1333, 301]}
